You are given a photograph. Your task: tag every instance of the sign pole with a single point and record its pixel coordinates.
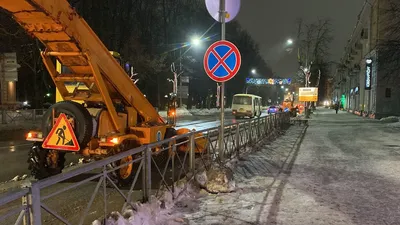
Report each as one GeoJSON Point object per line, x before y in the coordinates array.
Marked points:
{"type": "Point", "coordinates": [222, 95]}
{"type": "Point", "coordinates": [222, 65]}
{"type": "Point", "coordinates": [180, 78]}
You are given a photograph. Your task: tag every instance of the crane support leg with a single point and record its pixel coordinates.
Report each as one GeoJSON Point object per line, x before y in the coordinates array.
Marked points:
{"type": "Point", "coordinates": [101, 85]}
{"type": "Point", "coordinates": [53, 73]}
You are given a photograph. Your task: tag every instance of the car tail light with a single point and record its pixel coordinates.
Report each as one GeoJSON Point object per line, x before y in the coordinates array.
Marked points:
{"type": "Point", "coordinates": [34, 136]}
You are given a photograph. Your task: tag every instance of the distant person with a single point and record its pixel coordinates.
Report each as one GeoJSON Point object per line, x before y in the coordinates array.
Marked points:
{"type": "Point", "coordinates": [337, 108]}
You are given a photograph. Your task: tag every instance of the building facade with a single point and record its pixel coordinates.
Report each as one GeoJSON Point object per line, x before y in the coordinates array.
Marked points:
{"type": "Point", "coordinates": [358, 83]}
{"type": "Point", "coordinates": [8, 79]}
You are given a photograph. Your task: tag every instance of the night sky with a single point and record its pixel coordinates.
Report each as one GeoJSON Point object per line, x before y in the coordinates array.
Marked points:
{"type": "Point", "coordinates": [272, 22]}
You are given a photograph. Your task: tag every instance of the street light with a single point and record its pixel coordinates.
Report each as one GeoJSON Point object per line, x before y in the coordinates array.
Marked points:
{"type": "Point", "coordinates": [282, 87]}
{"type": "Point", "coordinates": [286, 89]}
{"type": "Point", "coordinates": [196, 41]}
{"type": "Point", "coordinates": [253, 71]}
{"type": "Point", "coordinates": [289, 42]}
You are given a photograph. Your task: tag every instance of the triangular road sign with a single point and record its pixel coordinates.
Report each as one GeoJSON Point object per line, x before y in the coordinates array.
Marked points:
{"type": "Point", "coordinates": [61, 136]}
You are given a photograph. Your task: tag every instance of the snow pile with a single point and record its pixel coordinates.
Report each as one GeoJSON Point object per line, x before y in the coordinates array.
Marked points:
{"type": "Point", "coordinates": [390, 119]}
{"type": "Point", "coordinates": [204, 112]}
{"type": "Point", "coordinates": [218, 179]}
{"type": "Point", "coordinates": [183, 112]}
{"type": "Point", "coordinates": [198, 112]}
{"type": "Point", "coordinates": [162, 113]}
{"type": "Point", "coordinates": [18, 177]}
{"type": "Point", "coordinates": [394, 125]}
{"type": "Point", "coordinates": [158, 212]}
{"type": "Point", "coordinates": [179, 112]}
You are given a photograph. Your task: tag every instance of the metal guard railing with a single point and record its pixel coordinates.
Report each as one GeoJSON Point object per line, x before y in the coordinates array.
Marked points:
{"type": "Point", "coordinates": [157, 177]}
{"type": "Point", "coordinates": [21, 115]}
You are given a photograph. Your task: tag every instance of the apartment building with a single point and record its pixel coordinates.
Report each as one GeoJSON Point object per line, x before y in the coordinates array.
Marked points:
{"type": "Point", "coordinates": [360, 84]}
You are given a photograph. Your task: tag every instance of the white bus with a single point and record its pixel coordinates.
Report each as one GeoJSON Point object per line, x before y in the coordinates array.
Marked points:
{"type": "Point", "coordinates": [246, 105]}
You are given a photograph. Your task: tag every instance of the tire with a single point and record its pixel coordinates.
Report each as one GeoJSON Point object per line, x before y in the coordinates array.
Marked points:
{"type": "Point", "coordinates": [125, 175]}
{"type": "Point", "coordinates": [163, 157]}
{"type": "Point", "coordinates": [170, 132]}
{"type": "Point", "coordinates": [83, 128]}
{"type": "Point", "coordinates": [39, 165]}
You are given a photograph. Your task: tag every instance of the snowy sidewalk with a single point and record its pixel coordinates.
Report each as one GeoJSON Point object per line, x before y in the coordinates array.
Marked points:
{"type": "Point", "coordinates": [345, 170]}
{"type": "Point", "coordinates": [256, 182]}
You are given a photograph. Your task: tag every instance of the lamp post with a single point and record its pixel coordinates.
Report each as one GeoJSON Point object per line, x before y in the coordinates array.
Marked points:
{"type": "Point", "coordinates": [254, 72]}
{"type": "Point", "coordinates": [307, 73]}
{"type": "Point", "coordinates": [195, 41]}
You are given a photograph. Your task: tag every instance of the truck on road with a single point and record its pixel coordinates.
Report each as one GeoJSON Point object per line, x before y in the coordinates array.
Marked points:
{"type": "Point", "coordinates": [110, 115]}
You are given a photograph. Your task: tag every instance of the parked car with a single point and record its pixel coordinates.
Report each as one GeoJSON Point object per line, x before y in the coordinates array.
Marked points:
{"type": "Point", "coordinates": [272, 109]}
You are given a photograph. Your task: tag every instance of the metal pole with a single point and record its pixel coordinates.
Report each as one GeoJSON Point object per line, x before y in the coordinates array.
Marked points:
{"type": "Point", "coordinates": [222, 96]}
{"type": "Point", "coordinates": [180, 77]}
{"type": "Point", "coordinates": [192, 149]}
{"type": "Point", "coordinates": [306, 103]}
{"type": "Point", "coordinates": [36, 205]}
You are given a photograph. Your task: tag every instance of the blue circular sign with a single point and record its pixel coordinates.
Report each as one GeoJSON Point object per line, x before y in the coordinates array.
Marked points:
{"type": "Point", "coordinates": [222, 61]}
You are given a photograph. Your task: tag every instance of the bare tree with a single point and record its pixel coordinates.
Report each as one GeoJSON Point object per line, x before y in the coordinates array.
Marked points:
{"type": "Point", "coordinates": [313, 48]}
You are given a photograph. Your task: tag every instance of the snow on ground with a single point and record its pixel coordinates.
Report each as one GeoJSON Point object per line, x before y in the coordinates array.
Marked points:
{"type": "Point", "coordinates": [255, 175]}
{"type": "Point", "coordinates": [345, 170]}
{"type": "Point", "coordinates": [196, 112]}
{"type": "Point", "coordinates": [193, 206]}
{"type": "Point", "coordinates": [390, 119]}
{"type": "Point", "coordinates": [156, 212]}
{"type": "Point", "coordinates": [179, 112]}
{"type": "Point", "coordinates": [394, 125]}
{"type": "Point", "coordinates": [204, 112]}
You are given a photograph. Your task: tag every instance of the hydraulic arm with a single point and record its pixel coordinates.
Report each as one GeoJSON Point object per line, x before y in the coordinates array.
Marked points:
{"type": "Point", "coordinates": [69, 38]}
{"type": "Point", "coordinates": [115, 116]}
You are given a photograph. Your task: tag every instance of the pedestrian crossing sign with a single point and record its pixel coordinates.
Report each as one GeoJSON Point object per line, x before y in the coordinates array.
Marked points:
{"type": "Point", "coordinates": [61, 136]}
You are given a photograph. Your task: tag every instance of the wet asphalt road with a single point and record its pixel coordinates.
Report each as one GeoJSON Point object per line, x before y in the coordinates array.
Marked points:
{"type": "Point", "coordinates": [14, 148]}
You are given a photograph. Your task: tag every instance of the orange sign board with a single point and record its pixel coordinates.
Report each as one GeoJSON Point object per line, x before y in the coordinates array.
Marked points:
{"type": "Point", "coordinates": [308, 98]}
{"type": "Point", "coordinates": [308, 94]}
{"type": "Point", "coordinates": [61, 136]}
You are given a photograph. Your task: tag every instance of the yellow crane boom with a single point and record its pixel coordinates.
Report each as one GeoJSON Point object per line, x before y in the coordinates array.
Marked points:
{"type": "Point", "coordinates": [72, 42]}
{"type": "Point", "coordinates": [121, 117]}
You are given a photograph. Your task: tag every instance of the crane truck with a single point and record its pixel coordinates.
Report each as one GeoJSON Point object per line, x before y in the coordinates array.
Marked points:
{"type": "Point", "coordinates": [109, 116]}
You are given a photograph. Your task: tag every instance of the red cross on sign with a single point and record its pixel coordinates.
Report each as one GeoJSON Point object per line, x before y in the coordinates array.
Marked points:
{"type": "Point", "coordinates": [222, 61]}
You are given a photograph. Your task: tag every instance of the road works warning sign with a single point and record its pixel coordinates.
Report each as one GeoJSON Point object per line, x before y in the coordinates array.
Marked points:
{"type": "Point", "coordinates": [61, 136]}
{"type": "Point", "coordinates": [308, 94]}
